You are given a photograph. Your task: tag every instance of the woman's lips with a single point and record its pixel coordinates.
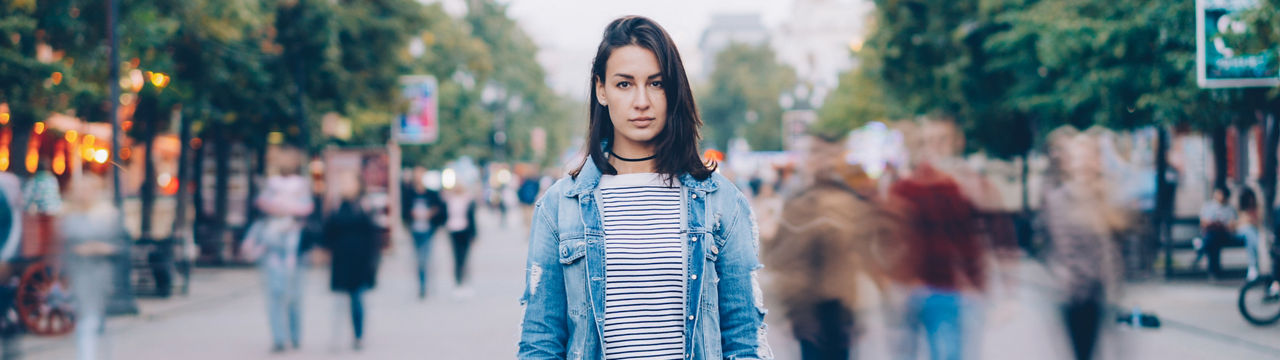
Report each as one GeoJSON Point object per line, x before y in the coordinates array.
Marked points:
{"type": "Point", "coordinates": [643, 122]}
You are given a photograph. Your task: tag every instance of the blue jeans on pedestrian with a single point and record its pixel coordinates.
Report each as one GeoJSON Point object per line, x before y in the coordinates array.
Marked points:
{"type": "Point", "coordinates": [422, 250]}
{"type": "Point", "coordinates": [939, 313]}
{"type": "Point", "coordinates": [91, 287]}
{"type": "Point", "coordinates": [284, 303]}
{"type": "Point", "coordinates": [1249, 235]}
{"type": "Point", "coordinates": [357, 311]}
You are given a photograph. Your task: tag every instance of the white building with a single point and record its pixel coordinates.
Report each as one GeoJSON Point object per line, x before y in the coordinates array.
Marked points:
{"type": "Point", "coordinates": [817, 38]}
{"type": "Point", "coordinates": [726, 29]}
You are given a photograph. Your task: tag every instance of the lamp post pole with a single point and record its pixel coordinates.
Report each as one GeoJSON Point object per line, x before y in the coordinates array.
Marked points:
{"type": "Point", "coordinates": [122, 301]}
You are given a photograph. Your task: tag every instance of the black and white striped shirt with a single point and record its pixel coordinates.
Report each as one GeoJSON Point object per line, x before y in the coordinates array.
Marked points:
{"type": "Point", "coordinates": [644, 267]}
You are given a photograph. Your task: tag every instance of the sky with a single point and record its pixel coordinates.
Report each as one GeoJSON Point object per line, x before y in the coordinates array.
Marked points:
{"type": "Point", "coordinates": [568, 31]}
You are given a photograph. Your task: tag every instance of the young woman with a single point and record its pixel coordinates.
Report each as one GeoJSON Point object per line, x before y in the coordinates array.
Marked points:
{"type": "Point", "coordinates": [460, 203]}
{"type": "Point", "coordinates": [1247, 229]}
{"type": "Point", "coordinates": [274, 241]}
{"type": "Point", "coordinates": [645, 252]}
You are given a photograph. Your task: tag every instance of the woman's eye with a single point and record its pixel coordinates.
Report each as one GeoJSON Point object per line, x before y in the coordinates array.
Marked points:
{"type": "Point", "coordinates": [624, 84]}
{"type": "Point", "coordinates": [657, 84]}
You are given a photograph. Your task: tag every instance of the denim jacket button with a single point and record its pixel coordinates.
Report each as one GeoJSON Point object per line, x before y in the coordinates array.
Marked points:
{"type": "Point", "coordinates": [695, 196]}
{"type": "Point", "coordinates": [693, 277]}
{"type": "Point", "coordinates": [695, 238]}
{"type": "Point", "coordinates": [690, 317]}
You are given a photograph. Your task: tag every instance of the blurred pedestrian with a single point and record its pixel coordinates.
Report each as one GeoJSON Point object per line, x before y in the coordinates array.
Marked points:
{"type": "Point", "coordinates": [274, 241]}
{"type": "Point", "coordinates": [10, 247]}
{"type": "Point", "coordinates": [1247, 229]}
{"type": "Point", "coordinates": [822, 249]}
{"type": "Point", "coordinates": [93, 233]}
{"type": "Point", "coordinates": [646, 251]}
{"type": "Point", "coordinates": [1216, 221]}
{"type": "Point", "coordinates": [530, 188]}
{"type": "Point", "coordinates": [1084, 255]}
{"type": "Point", "coordinates": [423, 211]}
{"type": "Point", "coordinates": [42, 202]}
{"type": "Point", "coordinates": [943, 266]}
{"type": "Point", "coordinates": [460, 205]}
{"type": "Point", "coordinates": [352, 238]}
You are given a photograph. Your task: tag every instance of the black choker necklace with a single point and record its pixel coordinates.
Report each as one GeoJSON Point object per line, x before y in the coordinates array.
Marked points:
{"type": "Point", "coordinates": [647, 158]}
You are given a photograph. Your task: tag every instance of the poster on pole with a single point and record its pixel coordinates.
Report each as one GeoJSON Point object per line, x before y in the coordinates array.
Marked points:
{"type": "Point", "coordinates": [420, 123]}
{"type": "Point", "coordinates": [1218, 64]}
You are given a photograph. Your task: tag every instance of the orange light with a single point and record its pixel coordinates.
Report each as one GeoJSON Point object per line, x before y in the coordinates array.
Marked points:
{"type": "Point", "coordinates": [33, 159]}
{"type": "Point", "coordinates": [59, 163]}
{"type": "Point", "coordinates": [39, 128]}
{"type": "Point", "coordinates": [196, 143]}
{"type": "Point", "coordinates": [72, 136]}
{"type": "Point", "coordinates": [101, 155]}
{"type": "Point", "coordinates": [160, 80]}
{"type": "Point", "coordinates": [713, 155]}
{"type": "Point", "coordinates": [136, 80]}
{"type": "Point", "coordinates": [86, 152]}
{"type": "Point", "coordinates": [4, 118]}
{"type": "Point", "coordinates": [57, 78]}
{"type": "Point", "coordinates": [126, 125]}
{"type": "Point", "coordinates": [89, 140]}
{"type": "Point", "coordinates": [4, 158]}
{"type": "Point", "coordinates": [125, 153]}
{"type": "Point", "coordinates": [168, 184]}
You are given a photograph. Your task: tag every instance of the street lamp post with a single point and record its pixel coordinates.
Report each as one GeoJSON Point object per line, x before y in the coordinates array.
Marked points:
{"type": "Point", "coordinates": [122, 301]}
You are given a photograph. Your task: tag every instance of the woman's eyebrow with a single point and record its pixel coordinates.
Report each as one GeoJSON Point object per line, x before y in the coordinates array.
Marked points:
{"type": "Point", "coordinates": [629, 76]}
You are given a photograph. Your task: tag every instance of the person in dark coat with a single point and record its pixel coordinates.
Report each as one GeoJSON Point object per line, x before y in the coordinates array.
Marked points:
{"type": "Point", "coordinates": [350, 235]}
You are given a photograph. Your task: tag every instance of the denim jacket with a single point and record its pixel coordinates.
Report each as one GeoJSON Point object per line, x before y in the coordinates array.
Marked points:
{"type": "Point", "coordinates": [564, 292]}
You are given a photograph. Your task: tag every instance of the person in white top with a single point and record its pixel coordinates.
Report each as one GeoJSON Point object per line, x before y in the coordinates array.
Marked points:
{"type": "Point", "coordinates": [460, 204]}
{"type": "Point", "coordinates": [273, 241]}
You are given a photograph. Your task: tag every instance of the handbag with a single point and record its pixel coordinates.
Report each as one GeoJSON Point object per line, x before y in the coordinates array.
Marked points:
{"type": "Point", "coordinates": [251, 246]}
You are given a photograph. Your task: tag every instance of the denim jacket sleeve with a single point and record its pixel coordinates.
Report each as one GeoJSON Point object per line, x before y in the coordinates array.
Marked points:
{"type": "Point", "coordinates": [545, 324]}
{"type": "Point", "coordinates": [742, 310]}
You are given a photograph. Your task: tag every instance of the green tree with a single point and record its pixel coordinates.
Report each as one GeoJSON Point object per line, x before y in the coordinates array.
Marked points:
{"type": "Point", "coordinates": [462, 54]}
{"type": "Point", "coordinates": [743, 97]}
{"type": "Point", "coordinates": [858, 99]}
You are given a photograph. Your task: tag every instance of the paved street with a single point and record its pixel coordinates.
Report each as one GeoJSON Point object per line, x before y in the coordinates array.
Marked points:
{"type": "Point", "coordinates": [223, 318]}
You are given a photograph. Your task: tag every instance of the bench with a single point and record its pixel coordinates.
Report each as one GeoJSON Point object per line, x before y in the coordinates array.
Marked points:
{"type": "Point", "coordinates": [1182, 247]}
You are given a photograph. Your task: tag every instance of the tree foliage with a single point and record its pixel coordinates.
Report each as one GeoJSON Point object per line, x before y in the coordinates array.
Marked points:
{"type": "Point", "coordinates": [1008, 70]}
{"type": "Point", "coordinates": [743, 97]}
{"type": "Point", "coordinates": [250, 67]}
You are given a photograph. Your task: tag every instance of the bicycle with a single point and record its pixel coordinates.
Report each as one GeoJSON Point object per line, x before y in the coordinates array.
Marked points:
{"type": "Point", "coordinates": [1259, 300]}
{"type": "Point", "coordinates": [42, 301]}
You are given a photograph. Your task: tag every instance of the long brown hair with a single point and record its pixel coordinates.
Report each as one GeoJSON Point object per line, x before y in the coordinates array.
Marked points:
{"type": "Point", "coordinates": [677, 145]}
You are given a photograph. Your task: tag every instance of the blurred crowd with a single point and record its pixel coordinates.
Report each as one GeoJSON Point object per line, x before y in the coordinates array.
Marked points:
{"type": "Point", "coordinates": [922, 244]}
{"type": "Point", "coordinates": [927, 246]}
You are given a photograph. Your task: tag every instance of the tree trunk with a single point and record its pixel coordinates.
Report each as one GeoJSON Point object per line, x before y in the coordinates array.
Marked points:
{"type": "Point", "coordinates": [180, 209]}
{"type": "Point", "coordinates": [1269, 172]}
{"type": "Point", "coordinates": [1163, 212]}
{"type": "Point", "coordinates": [1269, 160]}
{"type": "Point", "coordinates": [255, 175]}
{"type": "Point", "coordinates": [20, 123]}
{"type": "Point", "coordinates": [222, 159]}
{"type": "Point", "coordinates": [1219, 138]}
{"type": "Point", "coordinates": [1026, 186]}
{"type": "Point", "coordinates": [1242, 153]}
{"type": "Point", "coordinates": [149, 119]}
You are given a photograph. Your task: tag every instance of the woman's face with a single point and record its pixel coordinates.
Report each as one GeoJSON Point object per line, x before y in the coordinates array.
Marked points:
{"type": "Point", "coordinates": [632, 89]}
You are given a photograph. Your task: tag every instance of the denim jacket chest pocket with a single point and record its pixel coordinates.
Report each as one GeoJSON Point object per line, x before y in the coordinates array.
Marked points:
{"type": "Point", "coordinates": [572, 250]}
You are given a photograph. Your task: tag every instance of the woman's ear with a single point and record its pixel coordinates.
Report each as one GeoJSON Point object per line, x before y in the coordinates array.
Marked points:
{"type": "Point", "coordinates": [600, 93]}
